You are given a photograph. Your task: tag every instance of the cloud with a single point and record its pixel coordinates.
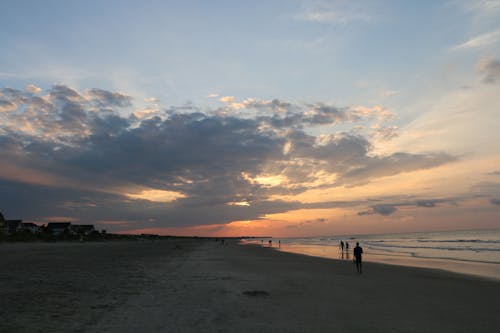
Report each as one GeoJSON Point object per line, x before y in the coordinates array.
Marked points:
{"type": "Point", "coordinates": [307, 223]}
{"type": "Point", "coordinates": [384, 209]}
{"type": "Point", "coordinates": [65, 93]}
{"type": "Point", "coordinates": [379, 209]}
{"type": "Point", "coordinates": [106, 98]}
{"type": "Point", "coordinates": [482, 40]}
{"type": "Point", "coordinates": [490, 189]}
{"type": "Point", "coordinates": [390, 208]}
{"type": "Point", "coordinates": [479, 7]}
{"type": "Point", "coordinates": [333, 12]}
{"type": "Point", "coordinates": [145, 113]}
{"type": "Point", "coordinates": [490, 69]}
{"type": "Point", "coordinates": [389, 93]}
{"type": "Point", "coordinates": [89, 155]}
{"type": "Point", "coordinates": [227, 99]}
{"type": "Point", "coordinates": [427, 204]}
{"type": "Point", "coordinates": [331, 17]}
{"type": "Point", "coordinates": [34, 89]}
{"type": "Point", "coordinates": [7, 106]}
{"type": "Point", "coordinates": [380, 166]}
{"type": "Point", "coordinates": [385, 133]}
{"type": "Point", "coordinates": [156, 195]}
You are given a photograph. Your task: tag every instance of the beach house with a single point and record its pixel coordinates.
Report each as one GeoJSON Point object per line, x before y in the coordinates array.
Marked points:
{"type": "Point", "coordinates": [2, 223]}
{"type": "Point", "coordinates": [82, 229]}
{"type": "Point", "coordinates": [31, 227]}
{"type": "Point", "coordinates": [13, 226]}
{"type": "Point", "coordinates": [58, 228]}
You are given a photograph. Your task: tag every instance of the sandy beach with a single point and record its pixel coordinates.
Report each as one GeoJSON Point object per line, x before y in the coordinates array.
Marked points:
{"type": "Point", "coordinates": [196, 285]}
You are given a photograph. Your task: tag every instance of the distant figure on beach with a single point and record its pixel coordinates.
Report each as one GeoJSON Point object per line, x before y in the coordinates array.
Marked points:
{"type": "Point", "coordinates": [358, 250]}
{"type": "Point", "coordinates": [342, 246]}
{"type": "Point", "coordinates": [347, 246]}
{"type": "Point", "coordinates": [262, 241]}
{"type": "Point", "coordinates": [270, 243]}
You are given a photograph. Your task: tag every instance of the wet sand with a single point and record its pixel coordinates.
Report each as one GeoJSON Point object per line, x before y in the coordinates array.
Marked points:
{"type": "Point", "coordinates": [182, 285]}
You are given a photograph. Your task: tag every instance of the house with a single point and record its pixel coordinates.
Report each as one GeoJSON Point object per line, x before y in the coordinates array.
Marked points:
{"type": "Point", "coordinates": [58, 228]}
{"type": "Point", "coordinates": [13, 226]}
{"type": "Point", "coordinates": [82, 229]}
{"type": "Point", "coordinates": [2, 224]}
{"type": "Point", "coordinates": [31, 227]}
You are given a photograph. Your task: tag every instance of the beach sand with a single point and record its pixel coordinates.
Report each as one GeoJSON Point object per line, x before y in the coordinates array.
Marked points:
{"type": "Point", "coordinates": [196, 285]}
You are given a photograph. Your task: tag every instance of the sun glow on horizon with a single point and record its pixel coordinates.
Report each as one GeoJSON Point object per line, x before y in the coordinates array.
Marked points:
{"type": "Point", "coordinates": [157, 195]}
{"type": "Point", "coordinates": [238, 203]}
{"type": "Point", "coordinates": [266, 180]}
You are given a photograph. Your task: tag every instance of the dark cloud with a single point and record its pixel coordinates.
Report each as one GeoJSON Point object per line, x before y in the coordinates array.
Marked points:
{"type": "Point", "coordinates": [319, 114]}
{"type": "Point", "coordinates": [495, 202]}
{"type": "Point", "coordinates": [491, 189]}
{"type": "Point", "coordinates": [384, 209]}
{"type": "Point", "coordinates": [307, 223]}
{"type": "Point", "coordinates": [6, 106]}
{"type": "Point", "coordinates": [65, 94]}
{"type": "Point", "coordinates": [379, 166]}
{"type": "Point", "coordinates": [386, 133]}
{"type": "Point", "coordinates": [274, 105]}
{"type": "Point", "coordinates": [15, 96]}
{"type": "Point", "coordinates": [312, 115]}
{"type": "Point", "coordinates": [490, 69]}
{"type": "Point", "coordinates": [106, 98]}
{"type": "Point", "coordinates": [84, 154]}
{"type": "Point", "coordinates": [380, 209]}
{"type": "Point", "coordinates": [428, 203]}
{"type": "Point", "coordinates": [390, 206]}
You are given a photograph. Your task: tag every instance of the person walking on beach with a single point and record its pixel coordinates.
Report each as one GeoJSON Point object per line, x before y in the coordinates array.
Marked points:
{"type": "Point", "coordinates": [358, 250]}
{"type": "Point", "coordinates": [342, 246]}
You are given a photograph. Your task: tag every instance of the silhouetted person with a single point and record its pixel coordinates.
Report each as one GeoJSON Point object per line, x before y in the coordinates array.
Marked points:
{"type": "Point", "coordinates": [270, 243]}
{"type": "Point", "coordinates": [358, 250]}
{"type": "Point", "coordinates": [279, 243]}
{"type": "Point", "coordinates": [342, 246]}
{"type": "Point", "coordinates": [347, 246]}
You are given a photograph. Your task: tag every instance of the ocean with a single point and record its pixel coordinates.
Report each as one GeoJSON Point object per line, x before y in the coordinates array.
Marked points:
{"type": "Point", "coordinates": [473, 252]}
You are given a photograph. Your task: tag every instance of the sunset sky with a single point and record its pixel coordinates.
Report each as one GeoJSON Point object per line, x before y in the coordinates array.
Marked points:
{"type": "Point", "coordinates": [228, 118]}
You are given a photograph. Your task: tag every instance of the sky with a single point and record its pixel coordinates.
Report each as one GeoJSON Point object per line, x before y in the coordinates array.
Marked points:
{"type": "Point", "coordinates": [263, 118]}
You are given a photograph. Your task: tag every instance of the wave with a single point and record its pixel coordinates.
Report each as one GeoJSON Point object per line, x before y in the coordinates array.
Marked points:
{"type": "Point", "coordinates": [458, 241]}
{"type": "Point", "coordinates": [439, 241]}
{"type": "Point", "coordinates": [420, 256]}
{"type": "Point", "coordinates": [475, 249]}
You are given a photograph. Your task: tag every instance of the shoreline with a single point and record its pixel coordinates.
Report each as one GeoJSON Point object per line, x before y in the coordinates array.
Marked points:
{"type": "Point", "coordinates": [486, 270]}
{"type": "Point", "coordinates": [190, 285]}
